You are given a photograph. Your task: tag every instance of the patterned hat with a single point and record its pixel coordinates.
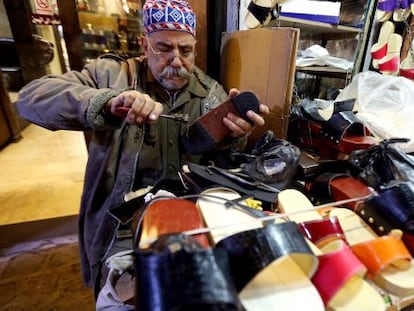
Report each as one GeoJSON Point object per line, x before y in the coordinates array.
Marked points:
{"type": "Point", "coordinates": [168, 15]}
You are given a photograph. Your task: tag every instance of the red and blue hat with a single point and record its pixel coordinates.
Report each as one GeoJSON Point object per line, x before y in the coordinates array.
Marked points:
{"type": "Point", "coordinates": [168, 15]}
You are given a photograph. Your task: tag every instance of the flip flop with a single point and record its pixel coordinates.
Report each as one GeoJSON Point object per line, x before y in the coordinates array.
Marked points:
{"type": "Point", "coordinates": [379, 49]}
{"type": "Point", "coordinates": [340, 277]}
{"type": "Point", "coordinates": [259, 13]}
{"type": "Point", "coordinates": [389, 263]}
{"type": "Point", "coordinates": [390, 64]}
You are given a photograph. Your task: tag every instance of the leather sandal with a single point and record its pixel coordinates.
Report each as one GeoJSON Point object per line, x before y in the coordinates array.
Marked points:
{"type": "Point", "coordinates": [340, 276]}
{"type": "Point", "coordinates": [385, 9]}
{"type": "Point", "coordinates": [379, 49]}
{"type": "Point", "coordinates": [332, 187]}
{"type": "Point", "coordinates": [258, 190]}
{"type": "Point", "coordinates": [169, 215]}
{"type": "Point", "coordinates": [272, 266]}
{"type": "Point", "coordinates": [407, 68]}
{"type": "Point", "coordinates": [392, 208]}
{"type": "Point", "coordinates": [209, 130]}
{"type": "Point", "coordinates": [225, 212]}
{"type": "Point", "coordinates": [389, 263]}
{"type": "Point", "coordinates": [390, 64]}
{"type": "Point", "coordinates": [176, 273]}
{"type": "Point", "coordinates": [401, 11]}
{"type": "Point", "coordinates": [335, 138]}
{"type": "Point", "coordinates": [259, 13]}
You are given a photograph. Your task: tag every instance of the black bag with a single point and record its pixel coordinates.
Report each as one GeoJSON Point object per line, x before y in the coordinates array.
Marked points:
{"type": "Point", "coordinates": [382, 164]}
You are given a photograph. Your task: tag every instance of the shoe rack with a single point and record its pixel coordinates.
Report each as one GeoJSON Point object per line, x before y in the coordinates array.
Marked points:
{"type": "Point", "coordinates": [393, 42]}
{"type": "Point", "coordinates": [350, 40]}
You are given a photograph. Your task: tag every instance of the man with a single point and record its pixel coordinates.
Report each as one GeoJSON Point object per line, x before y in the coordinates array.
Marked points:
{"type": "Point", "coordinates": [139, 149]}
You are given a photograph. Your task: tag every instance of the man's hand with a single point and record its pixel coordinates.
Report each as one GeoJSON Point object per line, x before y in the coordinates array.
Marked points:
{"type": "Point", "coordinates": [142, 108]}
{"type": "Point", "coordinates": [240, 127]}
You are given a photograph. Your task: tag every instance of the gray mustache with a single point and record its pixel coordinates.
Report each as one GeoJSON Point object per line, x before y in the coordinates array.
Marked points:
{"type": "Point", "coordinates": [169, 72]}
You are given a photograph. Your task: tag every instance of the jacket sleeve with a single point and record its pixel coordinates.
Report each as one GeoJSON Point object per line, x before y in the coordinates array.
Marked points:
{"type": "Point", "coordinates": [74, 100]}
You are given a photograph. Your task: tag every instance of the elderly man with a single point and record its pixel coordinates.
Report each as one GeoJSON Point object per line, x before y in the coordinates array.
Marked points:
{"type": "Point", "coordinates": [134, 149]}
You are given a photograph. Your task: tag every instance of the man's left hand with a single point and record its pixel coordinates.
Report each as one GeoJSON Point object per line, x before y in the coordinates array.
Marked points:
{"type": "Point", "coordinates": [240, 127]}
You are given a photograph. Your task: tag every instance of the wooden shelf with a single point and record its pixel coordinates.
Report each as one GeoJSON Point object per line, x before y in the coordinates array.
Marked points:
{"type": "Point", "coordinates": [315, 27]}
{"type": "Point", "coordinates": [326, 71]}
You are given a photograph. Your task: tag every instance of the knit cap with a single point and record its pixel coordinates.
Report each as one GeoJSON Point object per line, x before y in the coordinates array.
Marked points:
{"type": "Point", "coordinates": [168, 15]}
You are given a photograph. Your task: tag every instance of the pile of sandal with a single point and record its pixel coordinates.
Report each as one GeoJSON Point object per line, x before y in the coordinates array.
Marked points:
{"type": "Point", "coordinates": [386, 52]}
{"type": "Point", "coordinates": [333, 239]}
{"type": "Point", "coordinates": [397, 10]}
{"type": "Point", "coordinates": [229, 255]}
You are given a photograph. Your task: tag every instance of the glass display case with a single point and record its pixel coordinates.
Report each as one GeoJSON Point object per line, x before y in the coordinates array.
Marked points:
{"type": "Point", "coordinates": [109, 27]}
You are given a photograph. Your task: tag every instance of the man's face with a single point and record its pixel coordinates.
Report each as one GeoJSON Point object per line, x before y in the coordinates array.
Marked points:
{"type": "Point", "coordinates": [171, 56]}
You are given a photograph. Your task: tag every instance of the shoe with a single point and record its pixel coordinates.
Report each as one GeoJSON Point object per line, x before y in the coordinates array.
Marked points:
{"type": "Point", "coordinates": [209, 130]}
{"type": "Point", "coordinates": [401, 11]}
{"type": "Point", "coordinates": [165, 215]}
{"type": "Point", "coordinates": [225, 212]}
{"type": "Point", "coordinates": [389, 263]}
{"type": "Point", "coordinates": [333, 187]}
{"type": "Point", "coordinates": [392, 208]}
{"type": "Point", "coordinates": [259, 13]}
{"type": "Point", "coordinates": [176, 273]}
{"type": "Point", "coordinates": [390, 64]}
{"type": "Point", "coordinates": [340, 275]}
{"type": "Point", "coordinates": [407, 68]}
{"type": "Point", "coordinates": [272, 267]}
{"type": "Point", "coordinates": [334, 138]}
{"type": "Point", "coordinates": [385, 9]}
{"type": "Point", "coordinates": [379, 49]}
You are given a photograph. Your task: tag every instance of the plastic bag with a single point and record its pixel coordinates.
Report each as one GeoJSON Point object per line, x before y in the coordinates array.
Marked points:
{"type": "Point", "coordinates": [379, 165]}
{"type": "Point", "coordinates": [384, 104]}
{"type": "Point", "coordinates": [272, 160]}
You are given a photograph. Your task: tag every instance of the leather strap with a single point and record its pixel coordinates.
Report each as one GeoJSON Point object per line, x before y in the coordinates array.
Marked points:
{"type": "Point", "coordinates": [392, 64]}
{"type": "Point", "coordinates": [380, 53]}
{"type": "Point", "coordinates": [334, 270]}
{"type": "Point", "coordinates": [177, 274]}
{"type": "Point", "coordinates": [320, 188]}
{"type": "Point", "coordinates": [209, 130]}
{"type": "Point", "coordinates": [339, 124]}
{"type": "Point", "coordinates": [379, 253]}
{"type": "Point", "coordinates": [252, 251]}
{"type": "Point", "coordinates": [393, 208]}
{"type": "Point", "coordinates": [261, 13]}
{"type": "Point", "coordinates": [322, 231]}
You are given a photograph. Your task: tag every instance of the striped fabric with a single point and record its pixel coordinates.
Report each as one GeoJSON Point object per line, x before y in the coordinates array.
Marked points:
{"type": "Point", "coordinates": [168, 15]}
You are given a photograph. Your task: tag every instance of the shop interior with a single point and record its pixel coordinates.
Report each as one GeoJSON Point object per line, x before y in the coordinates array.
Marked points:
{"type": "Point", "coordinates": [310, 58]}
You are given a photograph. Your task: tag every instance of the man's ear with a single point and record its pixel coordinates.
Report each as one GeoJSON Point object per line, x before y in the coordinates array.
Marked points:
{"type": "Point", "coordinates": [144, 44]}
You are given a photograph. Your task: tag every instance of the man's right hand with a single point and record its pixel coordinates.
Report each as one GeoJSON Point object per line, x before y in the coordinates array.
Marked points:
{"type": "Point", "coordinates": [142, 108]}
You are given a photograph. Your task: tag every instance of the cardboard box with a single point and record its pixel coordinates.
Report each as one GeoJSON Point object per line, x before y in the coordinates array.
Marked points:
{"type": "Point", "coordinates": [313, 10]}
{"type": "Point", "coordinates": [262, 60]}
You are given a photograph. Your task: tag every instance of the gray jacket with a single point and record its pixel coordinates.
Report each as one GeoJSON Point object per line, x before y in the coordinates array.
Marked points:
{"type": "Point", "coordinates": [121, 157]}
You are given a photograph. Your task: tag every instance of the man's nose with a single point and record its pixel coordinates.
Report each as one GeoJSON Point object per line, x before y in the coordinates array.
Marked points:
{"type": "Point", "coordinates": [176, 58]}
